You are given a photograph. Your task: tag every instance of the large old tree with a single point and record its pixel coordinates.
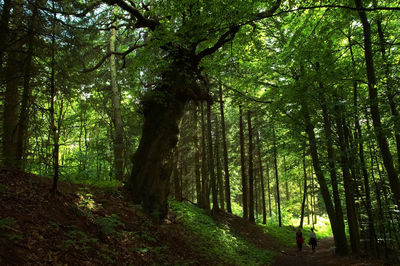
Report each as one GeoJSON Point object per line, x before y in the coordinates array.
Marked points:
{"type": "Point", "coordinates": [183, 34]}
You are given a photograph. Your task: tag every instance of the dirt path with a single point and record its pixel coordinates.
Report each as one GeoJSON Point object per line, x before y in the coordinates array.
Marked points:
{"type": "Point", "coordinates": [322, 256]}
{"type": "Point", "coordinates": [288, 256]}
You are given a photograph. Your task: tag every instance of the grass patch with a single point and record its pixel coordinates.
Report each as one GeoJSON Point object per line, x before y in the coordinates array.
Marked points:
{"type": "Point", "coordinates": [218, 240]}
{"type": "Point", "coordinates": [287, 234]}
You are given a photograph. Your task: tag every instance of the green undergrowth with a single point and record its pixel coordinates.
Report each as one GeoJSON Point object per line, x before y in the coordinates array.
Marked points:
{"type": "Point", "coordinates": [219, 240]}
{"type": "Point", "coordinates": [287, 234]}
{"type": "Point", "coordinates": [75, 179]}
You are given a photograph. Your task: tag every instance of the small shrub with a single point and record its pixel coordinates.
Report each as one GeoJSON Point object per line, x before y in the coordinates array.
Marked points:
{"type": "Point", "coordinates": [79, 240]}
{"type": "Point", "coordinates": [108, 224]}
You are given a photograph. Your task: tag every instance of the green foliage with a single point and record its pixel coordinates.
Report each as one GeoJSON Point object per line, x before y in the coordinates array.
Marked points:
{"type": "Point", "coordinates": [287, 234]}
{"type": "Point", "coordinates": [79, 240]}
{"type": "Point", "coordinates": [109, 223]}
{"type": "Point", "coordinates": [219, 240]}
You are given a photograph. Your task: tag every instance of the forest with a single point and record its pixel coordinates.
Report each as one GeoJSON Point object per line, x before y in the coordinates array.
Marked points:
{"type": "Point", "coordinates": [199, 132]}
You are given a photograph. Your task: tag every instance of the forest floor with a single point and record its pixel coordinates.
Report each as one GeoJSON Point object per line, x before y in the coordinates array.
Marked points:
{"type": "Point", "coordinates": [98, 226]}
{"type": "Point", "coordinates": [290, 256]}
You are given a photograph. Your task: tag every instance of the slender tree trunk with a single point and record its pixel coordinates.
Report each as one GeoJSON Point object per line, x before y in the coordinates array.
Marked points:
{"type": "Point", "coordinates": [53, 92]}
{"type": "Point", "coordinates": [251, 171]}
{"type": "Point", "coordinates": [348, 185]}
{"type": "Point", "coordinates": [218, 161]}
{"type": "Point", "coordinates": [390, 94]}
{"type": "Point", "coordinates": [375, 114]}
{"type": "Point", "coordinates": [214, 191]}
{"type": "Point", "coordinates": [286, 180]}
{"type": "Point", "coordinates": [176, 176]}
{"type": "Point", "coordinates": [243, 166]}
{"type": "Point", "coordinates": [312, 203]}
{"type": "Point", "coordinates": [116, 104]}
{"type": "Point", "coordinates": [182, 173]}
{"type": "Point", "coordinates": [381, 220]}
{"type": "Point", "coordinates": [305, 188]}
{"type": "Point", "coordinates": [204, 163]}
{"type": "Point", "coordinates": [196, 157]}
{"type": "Point", "coordinates": [225, 150]}
{"type": "Point", "coordinates": [309, 127]}
{"type": "Point", "coordinates": [278, 198]}
{"type": "Point", "coordinates": [268, 190]}
{"type": "Point", "coordinates": [340, 237]}
{"type": "Point", "coordinates": [359, 140]}
{"type": "Point", "coordinates": [264, 210]}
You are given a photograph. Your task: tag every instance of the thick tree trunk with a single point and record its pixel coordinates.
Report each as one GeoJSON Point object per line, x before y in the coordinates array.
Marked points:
{"type": "Point", "coordinates": [13, 74]}
{"type": "Point", "coordinates": [264, 209]}
{"type": "Point", "coordinates": [278, 198]}
{"type": "Point", "coordinates": [163, 110]}
{"type": "Point", "coordinates": [251, 172]}
{"type": "Point", "coordinates": [22, 137]}
{"type": "Point", "coordinates": [375, 114]}
{"type": "Point", "coordinates": [225, 150]}
{"type": "Point", "coordinates": [116, 105]}
{"type": "Point", "coordinates": [243, 166]}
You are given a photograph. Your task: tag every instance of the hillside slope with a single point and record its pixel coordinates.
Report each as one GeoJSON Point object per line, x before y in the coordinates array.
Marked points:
{"type": "Point", "coordinates": [84, 225]}
{"type": "Point", "coordinates": [98, 226]}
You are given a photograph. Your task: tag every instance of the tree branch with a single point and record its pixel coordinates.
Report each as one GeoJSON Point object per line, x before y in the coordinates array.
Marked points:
{"type": "Point", "coordinates": [240, 93]}
{"type": "Point", "coordinates": [270, 12]}
{"type": "Point", "coordinates": [123, 54]}
{"type": "Point", "coordinates": [226, 37]}
{"type": "Point", "coordinates": [142, 22]}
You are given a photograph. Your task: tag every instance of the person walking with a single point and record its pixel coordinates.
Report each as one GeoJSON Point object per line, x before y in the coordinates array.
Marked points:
{"type": "Point", "coordinates": [299, 239]}
{"type": "Point", "coordinates": [313, 240]}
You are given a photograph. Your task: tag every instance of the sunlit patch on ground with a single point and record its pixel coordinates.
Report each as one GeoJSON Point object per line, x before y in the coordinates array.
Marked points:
{"type": "Point", "coordinates": [85, 200]}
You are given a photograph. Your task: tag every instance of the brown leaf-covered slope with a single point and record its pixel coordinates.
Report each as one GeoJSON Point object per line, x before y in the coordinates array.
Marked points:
{"type": "Point", "coordinates": [72, 227]}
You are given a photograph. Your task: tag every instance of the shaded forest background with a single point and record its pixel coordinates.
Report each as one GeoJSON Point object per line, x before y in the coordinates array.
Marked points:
{"type": "Point", "coordinates": [284, 112]}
